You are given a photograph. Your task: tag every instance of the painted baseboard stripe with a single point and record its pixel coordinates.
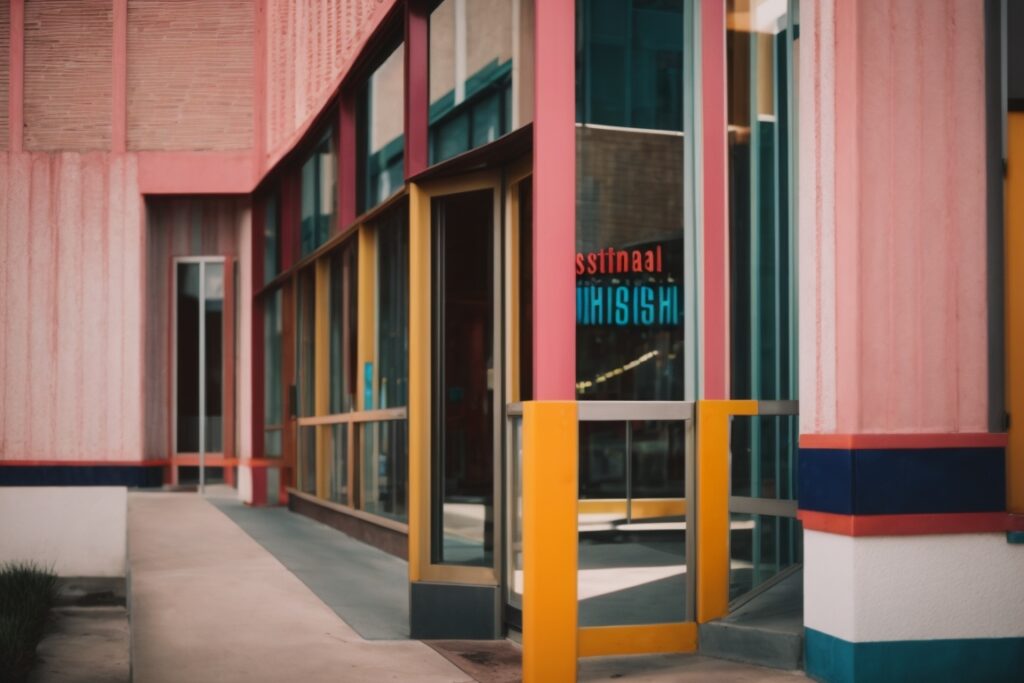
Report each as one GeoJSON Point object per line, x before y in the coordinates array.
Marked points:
{"type": "Point", "coordinates": [994, 660]}
{"type": "Point", "coordinates": [903, 481]}
{"type": "Point", "coordinates": [140, 474]}
{"type": "Point", "coordinates": [911, 525]}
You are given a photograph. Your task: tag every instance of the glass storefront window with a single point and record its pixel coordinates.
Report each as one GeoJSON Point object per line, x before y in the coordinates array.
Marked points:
{"type": "Point", "coordinates": [481, 73]}
{"type": "Point", "coordinates": [271, 238]}
{"type": "Point", "coordinates": [306, 333]}
{"type": "Point", "coordinates": [381, 120]}
{"type": "Point", "coordinates": [319, 194]}
{"type": "Point", "coordinates": [393, 309]}
{"type": "Point", "coordinates": [630, 209]}
{"type": "Point", "coordinates": [273, 396]}
{"type": "Point", "coordinates": [343, 327]}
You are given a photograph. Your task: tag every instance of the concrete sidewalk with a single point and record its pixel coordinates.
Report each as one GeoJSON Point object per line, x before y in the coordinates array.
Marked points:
{"type": "Point", "coordinates": [211, 601]}
{"type": "Point", "coordinates": [210, 604]}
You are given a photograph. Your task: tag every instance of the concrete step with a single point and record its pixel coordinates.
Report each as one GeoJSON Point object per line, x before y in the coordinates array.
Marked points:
{"type": "Point", "coordinates": [767, 631]}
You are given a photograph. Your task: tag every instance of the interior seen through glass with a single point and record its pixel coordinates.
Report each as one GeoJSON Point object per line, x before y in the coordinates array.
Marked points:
{"type": "Point", "coordinates": [464, 379]}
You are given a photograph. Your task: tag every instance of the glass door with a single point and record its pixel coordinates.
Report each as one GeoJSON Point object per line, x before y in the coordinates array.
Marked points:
{"type": "Point", "coordinates": [466, 400]}
{"type": "Point", "coordinates": [199, 331]}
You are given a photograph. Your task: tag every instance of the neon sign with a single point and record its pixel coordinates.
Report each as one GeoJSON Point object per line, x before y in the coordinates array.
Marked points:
{"type": "Point", "coordinates": [645, 301]}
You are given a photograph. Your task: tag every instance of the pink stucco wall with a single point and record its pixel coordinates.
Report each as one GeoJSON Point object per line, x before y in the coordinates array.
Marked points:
{"type": "Point", "coordinates": [71, 306]}
{"type": "Point", "coordinates": [892, 217]}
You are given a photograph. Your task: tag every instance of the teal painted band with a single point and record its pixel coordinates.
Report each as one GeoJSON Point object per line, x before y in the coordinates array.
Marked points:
{"type": "Point", "coordinates": [1015, 537]}
{"type": "Point", "coordinates": [834, 660]}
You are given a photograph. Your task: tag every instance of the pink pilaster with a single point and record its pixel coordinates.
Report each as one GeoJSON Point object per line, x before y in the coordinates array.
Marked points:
{"type": "Point", "coordinates": [715, 341]}
{"type": "Point", "coordinates": [16, 83]}
{"type": "Point", "coordinates": [119, 94]}
{"type": "Point", "coordinates": [554, 209]}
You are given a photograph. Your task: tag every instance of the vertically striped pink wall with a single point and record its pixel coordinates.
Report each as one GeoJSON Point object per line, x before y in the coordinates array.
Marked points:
{"type": "Point", "coordinates": [892, 217]}
{"type": "Point", "coordinates": [71, 306]}
{"type": "Point", "coordinates": [187, 226]}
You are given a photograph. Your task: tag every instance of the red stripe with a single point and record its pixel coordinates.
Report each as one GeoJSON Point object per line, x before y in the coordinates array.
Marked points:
{"type": "Point", "coordinates": [84, 463]}
{"type": "Point", "coordinates": [910, 525]}
{"type": "Point", "coordinates": [890, 441]}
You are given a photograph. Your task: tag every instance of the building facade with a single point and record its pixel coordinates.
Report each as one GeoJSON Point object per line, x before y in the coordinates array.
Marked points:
{"type": "Point", "coordinates": [609, 316]}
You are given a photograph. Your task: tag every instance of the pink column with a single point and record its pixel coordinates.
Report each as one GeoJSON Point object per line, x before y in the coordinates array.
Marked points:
{"type": "Point", "coordinates": [715, 337]}
{"type": "Point", "coordinates": [554, 207]}
{"type": "Point", "coordinates": [16, 83]}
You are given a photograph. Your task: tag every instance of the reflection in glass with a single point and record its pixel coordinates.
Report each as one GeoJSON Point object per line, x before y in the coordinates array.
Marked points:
{"type": "Point", "coordinates": [515, 556]}
{"type": "Point", "coordinates": [392, 309]}
{"type": "Point", "coordinates": [630, 63]}
{"type": "Point", "coordinates": [629, 199]}
{"type": "Point", "coordinates": [187, 387]}
{"type": "Point", "coordinates": [463, 504]}
{"type": "Point", "coordinates": [319, 195]}
{"type": "Point", "coordinates": [381, 122]}
{"type": "Point", "coordinates": [200, 341]}
{"type": "Point", "coordinates": [760, 546]}
{"type": "Point", "coordinates": [213, 310]}
{"type": "Point", "coordinates": [273, 390]}
{"type": "Point", "coordinates": [271, 238]}
{"type": "Point", "coordinates": [343, 329]}
{"type": "Point", "coordinates": [306, 333]}
{"type": "Point", "coordinates": [481, 72]}
{"type": "Point", "coordinates": [306, 460]}
{"type": "Point", "coordinates": [761, 60]}
{"type": "Point", "coordinates": [337, 475]}
{"type": "Point", "coordinates": [385, 468]}
{"type": "Point", "coordinates": [632, 523]}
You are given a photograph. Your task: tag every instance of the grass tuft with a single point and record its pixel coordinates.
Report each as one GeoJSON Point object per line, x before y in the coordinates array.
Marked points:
{"type": "Point", "coordinates": [27, 592]}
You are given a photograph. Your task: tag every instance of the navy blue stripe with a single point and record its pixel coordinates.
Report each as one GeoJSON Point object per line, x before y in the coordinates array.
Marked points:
{"type": "Point", "coordinates": [82, 475]}
{"type": "Point", "coordinates": [994, 660]}
{"type": "Point", "coordinates": [902, 481]}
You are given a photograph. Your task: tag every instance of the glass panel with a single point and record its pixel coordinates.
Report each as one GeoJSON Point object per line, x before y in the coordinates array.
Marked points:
{"type": "Point", "coordinates": [273, 443]}
{"type": "Point", "coordinates": [187, 371]}
{"type": "Point", "coordinates": [304, 347]}
{"type": "Point", "coordinates": [213, 309]}
{"type": "Point", "coordinates": [525, 290]}
{"type": "Point", "coordinates": [271, 239]}
{"type": "Point", "coordinates": [306, 460]}
{"type": "Point", "coordinates": [602, 460]}
{"type": "Point", "coordinates": [273, 389]}
{"type": "Point", "coordinates": [337, 476]}
{"type": "Point", "coordinates": [632, 536]}
{"type": "Point", "coordinates": [382, 144]}
{"type": "Point", "coordinates": [319, 195]}
{"type": "Point", "coordinates": [392, 310]}
{"type": "Point", "coordinates": [385, 468]}
{"type": "Point", "coordinates": [481, 72]}
{"type": "Point", "coordinates": [630, 63]}
{"type": "Point", "coordinates": [629, 228]}
{"type": "Point", "coordinates": [343, 328]}
{"type": "Point", "coordinates": [760, 546]}
{"type": "Point", "coordinates": [761, 224]}
{"type": "Point", "coordinates": [515, 555]}
{"type": "Point", "coordinates": [464, 380]}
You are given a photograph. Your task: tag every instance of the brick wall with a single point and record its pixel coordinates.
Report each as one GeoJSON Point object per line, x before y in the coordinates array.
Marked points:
{"type": "Point", "coordinates": [309, 44]}
{"type": "Point", "coordinates": [190, 74]}
{"type": "Point", "coordinates": [5, 53]}
{"type": "Point", "coordinates": [68, 74]}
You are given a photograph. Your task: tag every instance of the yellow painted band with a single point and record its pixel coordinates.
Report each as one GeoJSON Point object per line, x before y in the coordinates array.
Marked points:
{"type": "Point", "coordinates": [635, 640]}
{"type": "Point", "coordinates": [713, 504]}
{"type": "Point", "coordinates": [1014, 221]}
{"type": "Point", "coordinates": [419, 380]}
{"type": "Point", "coordinates": [642, 508]}
{"type": "Point", "coordinates": [549, 541]}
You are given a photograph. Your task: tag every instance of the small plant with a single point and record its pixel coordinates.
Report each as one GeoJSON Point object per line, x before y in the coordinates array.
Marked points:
{"type": "Point", "coordinates": [27, 591]}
